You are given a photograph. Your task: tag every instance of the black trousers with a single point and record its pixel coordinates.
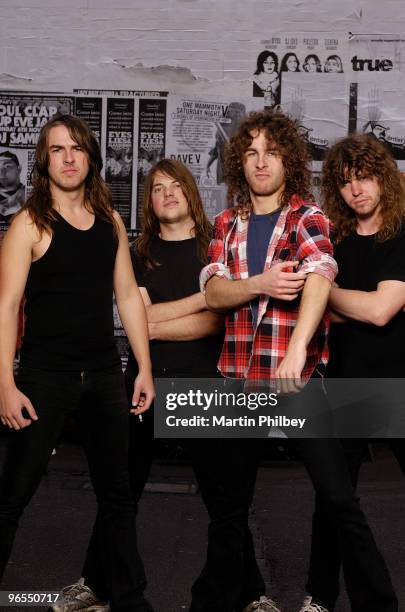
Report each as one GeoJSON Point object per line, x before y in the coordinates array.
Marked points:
{"type": "Point", "coordinates": [368, 582]}
{"type": "Point", "coordinates": [99, 401]}
{"type": "Point", "coordinates": [226, 473]}
{"type": "Point", "coordinates": [326, 545]}
{"type": "Point", "coordinates": [230, 484]}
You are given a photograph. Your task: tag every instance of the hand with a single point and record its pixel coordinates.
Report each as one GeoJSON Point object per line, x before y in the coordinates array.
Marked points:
{"type": "Point", "coordinates": [144, 392]}
{"type": "Point", "coordinates": [290, 369]}
{"type": "Point", "coordinates": [282, 285]}
{"type": "Point", "coordinates": [12, 404]}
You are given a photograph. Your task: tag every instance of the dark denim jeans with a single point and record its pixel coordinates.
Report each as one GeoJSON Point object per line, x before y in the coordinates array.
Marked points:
{"type": "Point", "coordinates": [328, 549]}
{"type": "Point", "coordinates": [98, 400]}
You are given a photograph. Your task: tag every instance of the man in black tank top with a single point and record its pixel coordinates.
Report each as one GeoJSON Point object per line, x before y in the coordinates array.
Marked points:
{"type": "Point", "coordinates": [67, 251]}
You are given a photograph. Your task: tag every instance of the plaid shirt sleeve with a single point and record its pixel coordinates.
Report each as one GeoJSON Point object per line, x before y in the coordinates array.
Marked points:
{"type": "Point", "coordinates": [315, 249]}
{"type": "Point", "coordinates": [216, 256]}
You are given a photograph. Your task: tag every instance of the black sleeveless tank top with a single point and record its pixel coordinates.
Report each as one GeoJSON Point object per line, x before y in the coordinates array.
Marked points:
{"type": "Point", "coordinates": [69, 296]}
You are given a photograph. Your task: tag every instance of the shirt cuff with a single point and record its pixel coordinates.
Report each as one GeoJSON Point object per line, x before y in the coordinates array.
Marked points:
{"type": "Point", "coordinates": [214, 269]}
{"type": "Point", "coordinates": [324, 266]}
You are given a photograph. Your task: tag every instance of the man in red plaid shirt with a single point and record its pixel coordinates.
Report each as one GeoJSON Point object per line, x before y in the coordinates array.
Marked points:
{"type": "Point", "coordinates": [271, 268]}
{"type": "Point", "coordinates": [270, 331]}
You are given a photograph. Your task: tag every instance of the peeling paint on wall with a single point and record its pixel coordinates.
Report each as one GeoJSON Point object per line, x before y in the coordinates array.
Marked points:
{"type": "Point", "coordinates": [185, 45]}
{"type": "Point", "coordinates": [176, 74]}
{"type": "Point", "coordinates": [13, 79]}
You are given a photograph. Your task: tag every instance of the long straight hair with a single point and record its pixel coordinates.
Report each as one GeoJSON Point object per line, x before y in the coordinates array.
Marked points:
{"type": "Point", "coordinates": [150, 223]}
{"type": "Point", "coordinates": [97, 194]}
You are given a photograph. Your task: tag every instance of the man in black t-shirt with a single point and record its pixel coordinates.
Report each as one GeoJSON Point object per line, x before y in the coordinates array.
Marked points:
{"type": "Point", "coordinates": [185, 337]}
{"type": "Point", "coordinates": [186, 340]}
{"type": "Point", "coordinates": [364, 197]}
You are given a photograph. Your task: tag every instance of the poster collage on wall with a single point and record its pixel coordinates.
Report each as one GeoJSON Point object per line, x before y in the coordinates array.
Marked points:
{"type": "Point", "coordinates": [331, 85]}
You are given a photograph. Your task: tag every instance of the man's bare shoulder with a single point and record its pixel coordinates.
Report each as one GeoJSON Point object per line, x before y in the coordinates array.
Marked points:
{"type": "Point", "coordinates": [23, 228]}
{"type": "Point", "coordinates": [120, 226]}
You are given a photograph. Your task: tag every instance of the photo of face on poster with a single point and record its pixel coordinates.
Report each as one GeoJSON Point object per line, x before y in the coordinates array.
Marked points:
{"type": "Point", "coordinates": [290, 63]}
{"type": "Point", "coordinates": [312, 63]}
{"type": "Point", "coordinates": [12, 190]}
{"type": "Point", "coordinates": [333, 64]}
{"type": "Point", "coordinates": [266, 80]}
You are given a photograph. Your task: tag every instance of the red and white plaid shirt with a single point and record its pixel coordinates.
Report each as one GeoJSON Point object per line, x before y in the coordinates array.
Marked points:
{"type": "Point", "coordinates": [301, 234]}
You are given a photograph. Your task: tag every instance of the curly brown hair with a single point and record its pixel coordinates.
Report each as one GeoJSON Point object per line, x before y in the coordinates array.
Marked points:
{"type": "Point", "coordinates": [150, 227]}
{"type": "Point", "coordinates": [362, 155]}
{"type": "Point", "coordinates": [291, 145]}
{"type": "Point", "coordinates": [97, 194]}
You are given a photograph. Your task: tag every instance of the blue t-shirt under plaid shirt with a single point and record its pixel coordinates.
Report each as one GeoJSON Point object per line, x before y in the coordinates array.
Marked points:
{"type": "Point", "coordinates": [260, 230]}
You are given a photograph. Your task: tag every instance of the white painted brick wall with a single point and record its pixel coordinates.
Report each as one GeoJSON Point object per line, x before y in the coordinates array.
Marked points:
{"type": "Point", "coordinates": [201, 46]}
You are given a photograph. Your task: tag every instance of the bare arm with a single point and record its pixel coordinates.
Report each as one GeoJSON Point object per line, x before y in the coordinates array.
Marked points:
{"type": "Point", "coordinates": [133, 316]}
{"type": "Point", "coordinates": [15, 262]}
{"type": "Point", "coordinates": [190, 327]}
{"type": "Point", "coordinates": [313, 303]}
{"type": "Point", "coordinates": [336, 317]}
{"type": "Point", "coordinates": [224, 294]}
{"type": "Point", "coordinates": [375, 307]}
{"type": "Point", "coordinates": [165, 311]}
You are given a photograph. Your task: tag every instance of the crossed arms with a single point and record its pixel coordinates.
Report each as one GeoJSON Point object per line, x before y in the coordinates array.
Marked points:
{"type": "Point", "coordinates": [181, 320]}
{"type": "Point", "coordinates": [375, 307]}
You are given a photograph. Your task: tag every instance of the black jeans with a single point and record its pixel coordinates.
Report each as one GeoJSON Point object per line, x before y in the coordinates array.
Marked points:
{"type": "Point", "coordinates": [231, 578]}
{"type": "Point", "coordinates": [99, 401]}
{"type": "Point", "coordinates": [368, 583]}
{"type": "Point", "coordinates": [326, 546]}
{"type": "Point", "coordinates": [226, 473]}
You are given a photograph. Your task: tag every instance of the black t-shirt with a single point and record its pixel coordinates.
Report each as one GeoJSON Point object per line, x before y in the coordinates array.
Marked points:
{"type": "Point", "coordinates": [175, 278]}
{"type": "Point", "coordinates": [361, 349]}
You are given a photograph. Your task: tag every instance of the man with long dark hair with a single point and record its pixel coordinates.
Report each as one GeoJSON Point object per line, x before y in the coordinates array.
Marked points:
{"type": "Point", "coordinates": [364, 196]}
{"type": "Point", "coordinates": [186, 337]}
{"type": "Point", "coordinates": [271, 269]}
{"type": "Point", "coordinates": [67, 252]}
